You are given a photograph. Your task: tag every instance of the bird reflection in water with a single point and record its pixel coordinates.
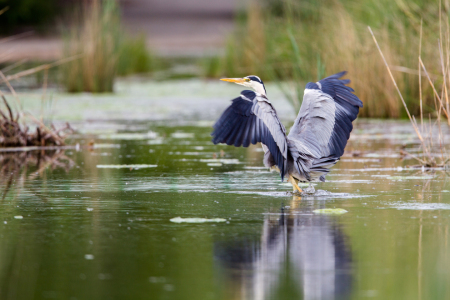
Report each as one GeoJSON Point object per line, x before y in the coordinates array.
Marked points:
{"type": "Point", "coordinates": [299, 255]}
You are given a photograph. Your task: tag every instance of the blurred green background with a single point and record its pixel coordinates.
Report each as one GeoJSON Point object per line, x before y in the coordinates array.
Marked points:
{"type": "Point", "coordinates": [290, 42]}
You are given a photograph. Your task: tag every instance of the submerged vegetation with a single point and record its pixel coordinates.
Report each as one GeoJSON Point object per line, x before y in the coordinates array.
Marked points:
{"type": "Point", "coordinates": [300, 41]}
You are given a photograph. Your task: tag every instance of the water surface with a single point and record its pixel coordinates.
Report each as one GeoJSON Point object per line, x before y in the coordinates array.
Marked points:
{"type": "Point", "coordinates": [94, 222]}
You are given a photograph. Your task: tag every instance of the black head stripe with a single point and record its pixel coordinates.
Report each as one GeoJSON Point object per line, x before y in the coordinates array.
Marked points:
{"type": "Point", "coordinates": [254, 78]}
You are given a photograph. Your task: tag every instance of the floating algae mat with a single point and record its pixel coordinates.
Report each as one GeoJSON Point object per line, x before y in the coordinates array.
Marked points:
{"type": "Point", "coordinates": [330, 211]}
{"type": "Point", "coordinates": [130, 136]}
{"type": "Point", "coordinates": [214, 164]}
{"type": "Point", "coordinates": [182, 135]}
{"type": "Point", "coordinates": [196, 220]}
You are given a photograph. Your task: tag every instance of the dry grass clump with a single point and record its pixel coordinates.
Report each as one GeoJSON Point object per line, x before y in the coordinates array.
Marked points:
{"type": "Point", "coordinates": [13, 134]}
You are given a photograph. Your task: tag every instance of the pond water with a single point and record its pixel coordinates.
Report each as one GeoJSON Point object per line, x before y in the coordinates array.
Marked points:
{"type": "Point", "coordinates": [95, 222]}
{"type": "Point", "coordinates": [154, 210]}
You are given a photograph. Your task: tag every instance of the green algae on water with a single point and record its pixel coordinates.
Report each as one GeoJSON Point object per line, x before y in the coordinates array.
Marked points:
{"type": "Point", "coordinates": [330, 211]}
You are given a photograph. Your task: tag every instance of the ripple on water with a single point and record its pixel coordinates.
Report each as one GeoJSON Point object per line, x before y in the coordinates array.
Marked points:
{"type": "Point", "coordinates": [324, 195]}
{"type": "Point", "coordinates": [136, 166]}
{"type": "Point", "coordinates": [410, 177]}
{"type": "Point", "coordinates": [270, 194]}
{"type": "Point", "coordinates": [419, 206]}
{"type": "Point", "coordinates": [196, 220]}
{"type": "Point", "coordinates": [318, 195]}
{"type": "Point", "coordinates": [226, 161]}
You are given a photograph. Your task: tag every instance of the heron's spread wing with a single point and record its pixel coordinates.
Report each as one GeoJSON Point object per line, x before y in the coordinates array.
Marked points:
{"type": "Point", "coordinates": [347, 109]}
{"type": "Point", "coordinates": [324, 122]}
{"type": "Point", "coordinates": [250, 119]}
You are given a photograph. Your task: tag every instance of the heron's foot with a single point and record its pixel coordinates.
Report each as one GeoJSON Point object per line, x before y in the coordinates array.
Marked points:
{"type": "Point", "coordinates": [295, 185]}
{"type": "Point", "coordinates": [310, 190]}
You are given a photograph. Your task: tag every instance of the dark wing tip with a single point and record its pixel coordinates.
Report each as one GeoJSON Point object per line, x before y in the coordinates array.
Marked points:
{"type": "Point", "coordinates": [337, 88]}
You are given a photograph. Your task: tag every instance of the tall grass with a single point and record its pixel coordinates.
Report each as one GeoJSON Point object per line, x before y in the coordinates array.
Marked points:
{"type": "Point", "coordinates": [433, 134]}
{"type": "Point", "coordinates": [134, 56]}
{"type": "Point", "coordinates": [105, 51]}
{"type": "Point", "coordinates": [97, 38]}
{"type": "Point", "coordinates": [301, 41]}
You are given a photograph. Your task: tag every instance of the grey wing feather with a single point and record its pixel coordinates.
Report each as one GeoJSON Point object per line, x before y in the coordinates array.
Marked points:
{"type": "Point", "coordinates": [264, 110]}
{"type": "Point", "coordinates": [251, 118]}
{"type": "Point", "coordinates": [314, 124]}
{"type": "Point", "coordinates": [320, 133]}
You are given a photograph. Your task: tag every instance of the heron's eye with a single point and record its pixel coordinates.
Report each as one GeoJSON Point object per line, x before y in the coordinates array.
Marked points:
{"type": "Point", "coordinates": [247, 79]}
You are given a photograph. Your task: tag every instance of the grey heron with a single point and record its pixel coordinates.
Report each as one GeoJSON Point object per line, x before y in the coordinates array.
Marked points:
{"type": "Point", "coordinates": [315, 142]}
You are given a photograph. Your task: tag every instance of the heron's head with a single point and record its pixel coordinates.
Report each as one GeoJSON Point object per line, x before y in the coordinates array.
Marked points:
{"type": "Point", "coordinates": [251, 81]}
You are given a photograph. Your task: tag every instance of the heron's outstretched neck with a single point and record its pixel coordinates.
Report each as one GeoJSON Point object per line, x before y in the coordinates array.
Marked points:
{"type": "Point", "coordinates": [259, 88]}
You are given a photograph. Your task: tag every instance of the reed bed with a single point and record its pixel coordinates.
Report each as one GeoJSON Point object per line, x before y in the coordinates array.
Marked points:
{"type": "Point", "coordinates": [299, 41]}
{"type": "Point", "coordinates": [96, 37]}
{"type": "Point", "coordinates": [432, 133]}
{"type": "Point", "coordinates": [106, 52]}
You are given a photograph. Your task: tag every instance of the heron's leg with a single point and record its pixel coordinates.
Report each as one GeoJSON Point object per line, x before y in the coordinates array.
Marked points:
{"type": "Point", "coordinates": [294, 184]}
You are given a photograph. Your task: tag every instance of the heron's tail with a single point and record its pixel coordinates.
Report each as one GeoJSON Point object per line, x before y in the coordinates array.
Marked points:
{"type": "Point", "coordinates": [322, 166]}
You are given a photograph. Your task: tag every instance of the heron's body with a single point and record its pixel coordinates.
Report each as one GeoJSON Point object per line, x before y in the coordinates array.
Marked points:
{"type": "Point", "coordinates": [315, 142]}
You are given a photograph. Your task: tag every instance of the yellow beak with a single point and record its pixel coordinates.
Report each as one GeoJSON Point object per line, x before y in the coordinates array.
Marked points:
{"type": "Point", "coordinates": [235, 80]}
